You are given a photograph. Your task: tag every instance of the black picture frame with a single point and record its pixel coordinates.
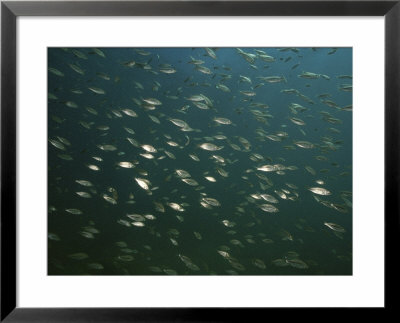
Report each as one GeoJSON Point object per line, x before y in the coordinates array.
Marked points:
{"type": "Point", "coordinates": [11, 10]}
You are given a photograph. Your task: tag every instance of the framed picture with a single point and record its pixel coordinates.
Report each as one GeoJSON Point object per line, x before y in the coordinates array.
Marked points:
{"type": "Point", "coordinates": [179, 160]}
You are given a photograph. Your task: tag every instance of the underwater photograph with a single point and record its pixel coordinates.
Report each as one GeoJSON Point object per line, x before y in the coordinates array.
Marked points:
{"type": "Point", "coordinates": [200, 161]}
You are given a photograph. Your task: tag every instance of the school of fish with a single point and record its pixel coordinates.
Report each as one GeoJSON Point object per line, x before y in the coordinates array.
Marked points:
{"type": "Point", "coordinates": [216, 171]}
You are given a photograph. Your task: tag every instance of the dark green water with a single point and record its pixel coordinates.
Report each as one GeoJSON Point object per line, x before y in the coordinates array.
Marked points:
{"type": "Point", "coordinates": [262, 132]}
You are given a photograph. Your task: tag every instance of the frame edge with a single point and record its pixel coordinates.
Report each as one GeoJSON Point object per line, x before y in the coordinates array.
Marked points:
{"type": "Point", "coordinates": [8, 161]}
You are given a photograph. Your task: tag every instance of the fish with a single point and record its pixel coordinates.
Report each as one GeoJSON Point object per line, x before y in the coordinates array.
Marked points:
{"type": "Point", "coordinates": [210, 147]}
{"type": "Point", "coordinates": [96, 90]}
{"type": "Point", "coordinates": [74, 211]}
{"type": "Point", "coordinates": [210, 52]}
{"type": "Point", "coordinates": [304, 144]}
{"type": "Point", "coordinates": [77, 69]}
{"type": "Point", "coordinates": [99, 52]}
{"type": "Point", "coordinates": [182, 173]}
{"type": "Point", "coordinates": [143, 183]}
{"type": "Point", "coordinates": [248, 93]}
{"type": "Point", "coordinates": [320, 191]}
{"type": "Point", "coordinates": [309, 75]}
{"type": "Point", "coordinates": [267, 168]}
{"type": "Point", "coordinates": [334, 227]}
{"type": "Point", "coordinates": [179, 123]}
{"type": "Point", "coordinates": [176, 207]}
{"type": "Point", "coordinates": [84, 194]}
{"type": "Point", "coordinates": [84, 182]}
{"type": "Point", "coordinates": [79, 54]}
{"type": "Point", "coordinates": [93, 167]}
{"type": "Point", "coordinates": [107, 147]}
{"type": "Point", "coordinates": [273, 79]}
{"type": "Point", "coordinates": [168, 70]}
{"type": "Point", "coordinates": [125, 164]}
{"type": "Point", "coordinates": [56, 71]}
{"type": "Point", "coordinates": [269, 208]}
{"type": "Point", "coordinates": [223, 87]}
{"type": "Point", "coordinates": [297, 121]}
{"type": "Point", "coordinates": [220, 120]}
{"type": "Point", "coordinates": [152, 101]}
{"type": "Point", "coordinates": [78, 256]}
{"type": "Point", "coordinates": [57, 144]}
{"type": "Point", "coordinates": [130, 113]}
